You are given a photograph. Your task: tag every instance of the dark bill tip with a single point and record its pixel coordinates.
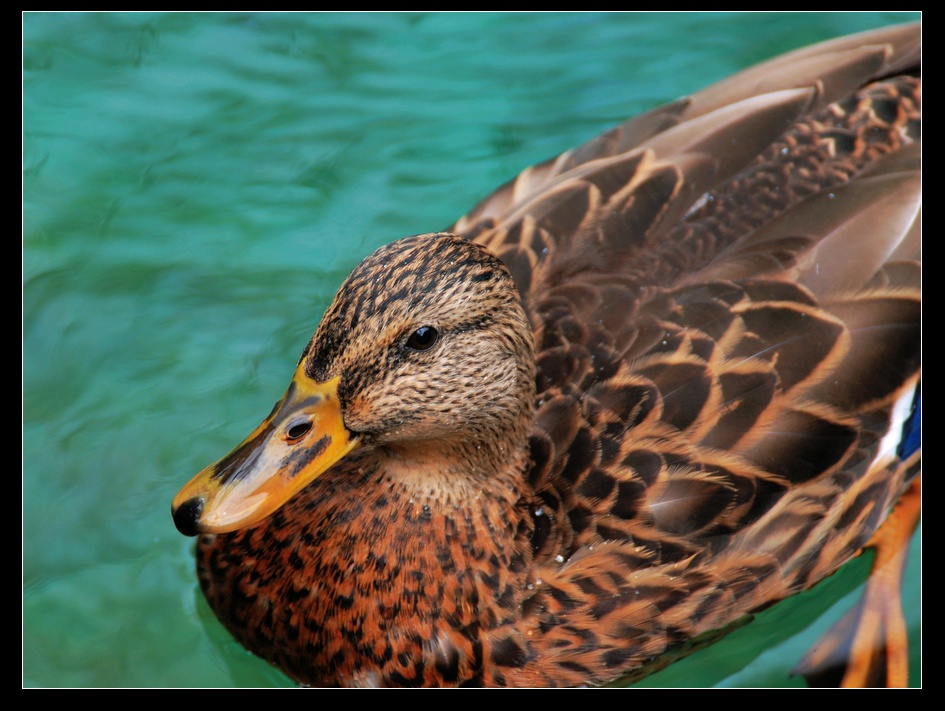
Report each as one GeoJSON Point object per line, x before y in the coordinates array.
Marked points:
{"type": "Point", "coordinates": [187, 516]}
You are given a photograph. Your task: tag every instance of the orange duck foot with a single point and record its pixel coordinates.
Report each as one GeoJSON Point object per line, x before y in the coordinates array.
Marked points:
{"type": "Point", "coordinates": [868, 647]}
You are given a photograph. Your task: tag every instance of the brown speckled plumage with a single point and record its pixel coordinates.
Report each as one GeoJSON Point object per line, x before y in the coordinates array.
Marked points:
{"type": "Point", "coordinates": [659, 398]}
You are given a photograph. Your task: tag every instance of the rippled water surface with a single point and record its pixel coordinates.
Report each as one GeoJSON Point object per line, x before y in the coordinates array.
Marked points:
{"type": "Point", "coordinates": [196, 186]}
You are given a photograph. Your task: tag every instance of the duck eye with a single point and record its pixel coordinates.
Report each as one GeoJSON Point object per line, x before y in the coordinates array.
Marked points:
{"type": "Point", "coordinates": [423, 338]}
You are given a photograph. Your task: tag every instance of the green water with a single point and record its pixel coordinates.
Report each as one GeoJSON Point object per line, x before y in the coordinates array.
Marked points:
{"type": "Point", "coordinates": [195, 188]}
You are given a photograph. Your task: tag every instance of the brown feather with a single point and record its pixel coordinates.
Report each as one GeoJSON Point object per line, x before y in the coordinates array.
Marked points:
{"type": "Point", "coordinates": [672, 402]}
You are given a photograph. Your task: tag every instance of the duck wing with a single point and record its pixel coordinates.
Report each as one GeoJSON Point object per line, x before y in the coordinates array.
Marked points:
{"type": "Point", "coordinates": [726, 300]}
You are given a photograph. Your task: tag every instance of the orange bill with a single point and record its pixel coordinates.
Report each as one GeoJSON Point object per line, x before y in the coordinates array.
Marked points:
{"type": "Point", "coordinates": [302, 437]}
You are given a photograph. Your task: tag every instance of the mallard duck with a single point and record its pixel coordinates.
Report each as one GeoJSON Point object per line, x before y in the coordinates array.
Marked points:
{"type": "Point", "coordinates": [637, 394]}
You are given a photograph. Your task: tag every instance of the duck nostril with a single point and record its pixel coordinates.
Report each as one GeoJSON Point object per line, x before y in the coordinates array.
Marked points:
{"type": "Point", "coordinates": [298, 430]}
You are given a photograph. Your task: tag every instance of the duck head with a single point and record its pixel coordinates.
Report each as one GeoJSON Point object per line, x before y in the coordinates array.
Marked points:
{"type": "Point", "coordinates": [425, 357]}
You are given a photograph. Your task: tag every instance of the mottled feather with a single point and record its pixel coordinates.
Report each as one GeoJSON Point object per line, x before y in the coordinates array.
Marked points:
{"type": "Point", "coordinates": [673, 369]}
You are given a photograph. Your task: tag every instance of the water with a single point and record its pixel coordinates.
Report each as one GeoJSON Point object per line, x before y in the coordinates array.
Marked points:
{"type": "Point", "coordinates": [195, 188]}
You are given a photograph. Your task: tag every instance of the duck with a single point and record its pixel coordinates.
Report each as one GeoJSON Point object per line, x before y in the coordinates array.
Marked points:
{"type": "Point", "coordinates": [639, 393]}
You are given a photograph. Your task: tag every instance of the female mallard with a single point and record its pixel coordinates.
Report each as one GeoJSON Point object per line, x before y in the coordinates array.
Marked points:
{"type": "Point", "coordinates": [638, 393]}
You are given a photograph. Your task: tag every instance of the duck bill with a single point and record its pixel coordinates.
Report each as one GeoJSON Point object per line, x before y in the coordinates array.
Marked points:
{"type": "Point", "coordinates": [302, 437]}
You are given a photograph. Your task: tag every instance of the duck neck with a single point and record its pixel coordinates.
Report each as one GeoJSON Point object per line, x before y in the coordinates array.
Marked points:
{"type": "Point", "coordinates": [455, 470]}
